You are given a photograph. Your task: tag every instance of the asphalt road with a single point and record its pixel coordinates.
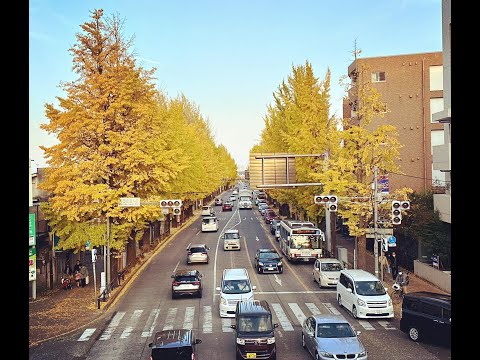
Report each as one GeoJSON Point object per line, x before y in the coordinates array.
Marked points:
{"type": "Point", "coordinates": [147, 306]}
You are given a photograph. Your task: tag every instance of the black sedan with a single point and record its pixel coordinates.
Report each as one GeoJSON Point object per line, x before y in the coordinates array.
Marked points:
{"type": "Point", "coordinates": [268, 261]}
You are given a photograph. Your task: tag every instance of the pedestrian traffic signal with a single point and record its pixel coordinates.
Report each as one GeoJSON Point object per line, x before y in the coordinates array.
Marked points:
{"type": "Point", "coordinates": [396, 212]}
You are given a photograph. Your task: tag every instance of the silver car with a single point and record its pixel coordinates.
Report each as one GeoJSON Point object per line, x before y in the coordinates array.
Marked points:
{"type": "Point", "coordinates": [328, 337]}
{"type": "Point", "coordinates": [197, 253]}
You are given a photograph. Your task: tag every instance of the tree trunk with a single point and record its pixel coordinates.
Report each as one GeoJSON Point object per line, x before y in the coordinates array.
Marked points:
{"type": "Point", "coordinates": [362, 253]}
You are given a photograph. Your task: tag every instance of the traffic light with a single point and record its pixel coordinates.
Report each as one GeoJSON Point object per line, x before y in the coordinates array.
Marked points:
{"type": "Point", "coordinates": [177, 211]}
{"type": "Point", "coordinates": [329, 200]}
{"type": "Point", "coordinates": [177, 203]}
{"type": "Point", "coordinates": [163, 203]}
{"type": "Point", "coordinates": [405, 205]}
{"type": "Point", "coordinates": [396, 212]}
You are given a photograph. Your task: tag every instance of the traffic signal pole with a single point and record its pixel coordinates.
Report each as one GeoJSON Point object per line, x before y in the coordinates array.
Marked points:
{"type": "Point", "coordinates": [375, 219]}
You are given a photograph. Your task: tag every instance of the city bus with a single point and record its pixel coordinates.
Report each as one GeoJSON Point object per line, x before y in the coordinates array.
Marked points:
{"type": "Point", "coordinates": [300, 240]}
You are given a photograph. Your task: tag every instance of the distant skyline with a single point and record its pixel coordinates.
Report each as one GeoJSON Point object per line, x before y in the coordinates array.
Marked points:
{"type": "Point", "coordinates": [227, 57]}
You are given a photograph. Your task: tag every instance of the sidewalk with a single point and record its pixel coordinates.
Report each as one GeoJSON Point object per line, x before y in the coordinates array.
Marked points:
{"type": "Point", "coordinates": [59, 312]}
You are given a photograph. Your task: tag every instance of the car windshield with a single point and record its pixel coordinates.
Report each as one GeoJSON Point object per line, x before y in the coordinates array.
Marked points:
{"type": "Point", "coordinates": [208, 221]}
{"type": "Point", "coordinates": [179, 353]}
{"type": "Point", "coordinates": [331, 267]}
{"type": "Point", "coordinates": [268, 255]}
{"type": "Point", "coordinates": [335, 330]}
{"type": "Point", "coordinates": [304, 242]}
{"type": "Point", "coordinates": [236, 287]}
{"type": "Point", "coordinates": [369, 288]}
{"type": "Point", "coordinates": [185, 278]}
{"type": "Point", "coordinates": [258, 323]}
{"type": "Point", "coordinates": [197, 249]}
{"type": "Point", "coordinates": [231, 236]}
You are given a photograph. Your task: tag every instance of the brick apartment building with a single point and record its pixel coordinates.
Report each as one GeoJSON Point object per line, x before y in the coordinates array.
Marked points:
{"type": "Point", "coordinates": [411, 86]}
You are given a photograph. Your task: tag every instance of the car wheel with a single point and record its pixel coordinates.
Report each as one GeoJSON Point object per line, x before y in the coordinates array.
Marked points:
{"type": "Point", "coordinates": [354, 312]}
{"type": "Point", "coordinates": [339, 300]}
{"type": "Point", "coordinates": [414, 334]}
{"type": "Point", "coordinates": [281, 271]}
{"type": "Point", "coordinates": [259, 270]}
{"type": "Point", "coordinates": [303, 341]}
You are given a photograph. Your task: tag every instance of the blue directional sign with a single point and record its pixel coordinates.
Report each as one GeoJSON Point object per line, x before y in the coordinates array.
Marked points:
{"type": "Point", "coordinates": [392, 241]}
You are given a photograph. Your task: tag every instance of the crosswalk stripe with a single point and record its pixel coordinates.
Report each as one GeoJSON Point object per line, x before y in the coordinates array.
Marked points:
{"type": "Point", "coordinates": [313, 308]}
{"type": "Point", "coordinates": [152, 319]}
{"type": "Point", "coordinates": [86, 334]}
{"type": "Point", "coordinates": [366, 325]}
{"type": "Point", "coordinates": [282, 317]}
{"type": "Point", "coordinates": [386, 325]}
{"type": "Point", "coordinates": [107, 334]}
{"type": "Point", "coordinates": [297, 312]}
{"type": "Point", "coordinates": [331, 308]}
{"type": "Point", "coordinates": [226, 325]}
{"type": "Point", "coordinates": [172, 313]}
{"type": "Point", "coordinates": [188, 320]}
{"type": "Point", "coordinates": [207, 319]}
{"type": "Point", "coordinates": [134, 319]}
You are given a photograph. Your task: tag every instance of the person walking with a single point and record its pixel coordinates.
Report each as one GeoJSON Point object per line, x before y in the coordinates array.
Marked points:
{"type": "Point", "coordinates": [84, 275]}
{"type": "Point", "coordinates": [76, 272]}
{"type": "Point", "coordinates": [394, 265]}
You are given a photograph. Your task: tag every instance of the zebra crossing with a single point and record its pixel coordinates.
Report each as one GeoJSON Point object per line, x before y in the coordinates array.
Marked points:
{"type": "Point", "coordinates": [145, 323]}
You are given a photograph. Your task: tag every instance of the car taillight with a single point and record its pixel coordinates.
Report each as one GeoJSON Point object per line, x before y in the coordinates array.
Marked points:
{"type": "Point", "coordinates": [193, 357]}
{"type": "Point", "coordinates": [204, 253]}
{"type": "Point", "coordinates": [298, 255]}
{"type": "Point", "coordinates": [196, 283]}
{"type": "Point", "coordinates": [175, 283]}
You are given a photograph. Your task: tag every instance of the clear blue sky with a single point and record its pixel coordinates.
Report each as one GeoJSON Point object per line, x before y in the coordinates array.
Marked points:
{"type": "Point", "coordinates": [228, 57]}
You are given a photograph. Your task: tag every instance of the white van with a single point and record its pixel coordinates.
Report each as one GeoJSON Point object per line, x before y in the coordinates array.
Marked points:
{"type": "Point", "coordinates": [231, 239]}
{"type": "Point", "coordinates": [364, 295]}
{"type": "Point", "coordinates": [209, 223]}
{"type": "Point", "coordinates": [235, 287]}
{"type": "Point", "coordinates": [207, 210]}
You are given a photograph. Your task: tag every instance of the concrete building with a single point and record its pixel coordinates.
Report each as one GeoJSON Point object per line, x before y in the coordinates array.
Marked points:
{"type": "Point", "coordinates": [442, 149]}
{"type": "Point", "coordinates": [411, 86]}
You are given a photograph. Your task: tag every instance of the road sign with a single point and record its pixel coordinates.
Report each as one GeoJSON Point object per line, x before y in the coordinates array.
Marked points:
{"type": "Point", "coordinates": [381, 231]}
{"type": "Point", "coordinates": [31, 229]}
{"type": "Point", "coordinates": [392, 241]}
{"type": "Point", "coordinates": [129, 202]}
{"type": "Point", "coordinates": [32, 263]}
{"type": "Point", "coordinates": [382, 184]}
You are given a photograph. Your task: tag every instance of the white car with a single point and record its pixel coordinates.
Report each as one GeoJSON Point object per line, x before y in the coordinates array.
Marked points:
{"type": "Point", "coordinates": [209, 223]}
{"type": "Point", "coordinates": [207, 210]}
{"type": "Point", "coordinates": [233, 198]}
{"type": "Point", "coordinates": [326, 271]}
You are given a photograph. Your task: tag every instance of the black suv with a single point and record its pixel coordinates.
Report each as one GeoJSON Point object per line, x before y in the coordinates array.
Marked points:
{"type": "Point", "coordinates": [254, 331]}
{"type": "Point", "coordinates": [186, 282]}
{"type": "Point", "coordinates": [176, 344]}
{"type": "Point", "coordinates": [427, 315]}
{"type": "Point", "coordinates": [268, 260]}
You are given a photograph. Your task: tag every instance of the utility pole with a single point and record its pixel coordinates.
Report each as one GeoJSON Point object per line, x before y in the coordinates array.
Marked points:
{"type": "Point", "coordinates": [107, 256]}
{"type": "Point", "coordinates": [375, 218]}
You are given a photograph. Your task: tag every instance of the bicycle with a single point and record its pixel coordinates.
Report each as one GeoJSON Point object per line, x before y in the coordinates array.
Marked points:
{"type": "Point", "coordinates": [398, 290]}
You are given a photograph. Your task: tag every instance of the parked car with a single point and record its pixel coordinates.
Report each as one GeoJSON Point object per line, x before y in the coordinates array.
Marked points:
{"type": "Point", "coordinates": [427, 316]}
{"type": "Point", "coordinates": [262, 208]}
{"type": "Point", "coordinates": [254, 331]}
{"type": "Point", "coordinates": [197, 253]}
{"type": "Point", "coordinates": [268, 260]}
{"type": "Point", "coordinates": [327, 337]}
{"type": "Point", "coordinates": [227, 206]}
{"type": "Point", "coordinates": [326, 271]}
{"type": "Point", "coordinates": [186, 282]}
{"type": "Point", "coordinates": [218, 202]}
{"type": "Point", "coordinates": [269, 216]}
{"type": "Point", "coordinates": [175, 344]}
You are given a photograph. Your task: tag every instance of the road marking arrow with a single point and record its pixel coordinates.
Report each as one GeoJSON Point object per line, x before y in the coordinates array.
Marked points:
{"type": "Point", "coordinates": [277, 279]}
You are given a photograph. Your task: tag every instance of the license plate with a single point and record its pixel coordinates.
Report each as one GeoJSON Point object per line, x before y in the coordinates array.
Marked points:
{"type": "Point", "coordinates": [251, 355]}
{"type": "Point", "coordinates": [270, 268]}
{"type": "Point", "coordinates": [307, 253]}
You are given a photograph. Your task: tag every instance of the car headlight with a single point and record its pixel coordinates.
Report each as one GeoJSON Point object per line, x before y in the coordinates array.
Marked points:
{"type": "Point", "coordinates": [389, 302]}
{"type": "Point", "coordinates": [271, 340]}
{"type": "Point", "coordinates": [326, 354]}
{"type": "Point", "coordinates": [240, 341]}
{"type": "Point", "coordinates": [260, 263]}
{"type": "Point", "coordinates": [223, 301]}
{"type": "Point", "coordinates": [279, 263]}
{"type": "Point", "coordinates": [360, 302]}
{"type": "Point", "coordinates": [363, 353]}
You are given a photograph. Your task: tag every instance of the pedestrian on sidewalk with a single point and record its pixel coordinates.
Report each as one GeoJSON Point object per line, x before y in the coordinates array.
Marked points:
{"type": "Point", "coordinates": [84, 275]}
{"type": "Point", "coordinates": [385, 264]}
{"type": "Point", "coordinates": [76, 272]}
{"type": "Point", "coordinates": [394, 265]}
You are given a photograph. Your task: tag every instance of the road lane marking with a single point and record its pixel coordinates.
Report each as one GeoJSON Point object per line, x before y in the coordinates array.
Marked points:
{"type": "Point", "coordinates": [332, 308]}
{"type": "Point", "coordinates": [207, 319]}
{"type": "Point", "coordinates": [297, 312]}
{"type": "Point", "coordinates": [226, 325]}
{"type": "Point", "coordinates": [107, 334]}
{"type": "Point", "coordinates": [152, 319]}
{"type": "Point", "coordinates": [313, 308]}
{"type": "Point", "coordinates": [386, 325]}
{"type": "Point", "coordinates": [86, 334]}
{"type": "Point", "coordinates": [277, 279]}
{"type": "Point", "coordinates": [282, 317]}
{"type": "Point", "coordinates": [366, 325]}
{"type": "Point", "coordinates": [189, 316]}
{"type": "Point", "coordinates": [128, 330]}
{"type": "Point", "coordinates": [169, 322]}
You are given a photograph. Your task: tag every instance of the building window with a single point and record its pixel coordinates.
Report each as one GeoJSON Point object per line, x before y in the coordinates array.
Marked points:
{"type": "Point", "coordinates": [437, 137]}
{"type": "Point", "coordinates": [436, 105]}
{"type": "Point", "coordinates": [378, 76]}
{"type": "Point", "coordinates": [436, 78]}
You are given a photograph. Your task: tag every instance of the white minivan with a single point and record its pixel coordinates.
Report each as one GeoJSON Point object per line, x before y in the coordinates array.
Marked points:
{"type": "Point", "coordinates": [364, 295]}
{"type": "Point", "coordinates": [209, 223]}
{"type": "Point", "coordinates": [235, 287]}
